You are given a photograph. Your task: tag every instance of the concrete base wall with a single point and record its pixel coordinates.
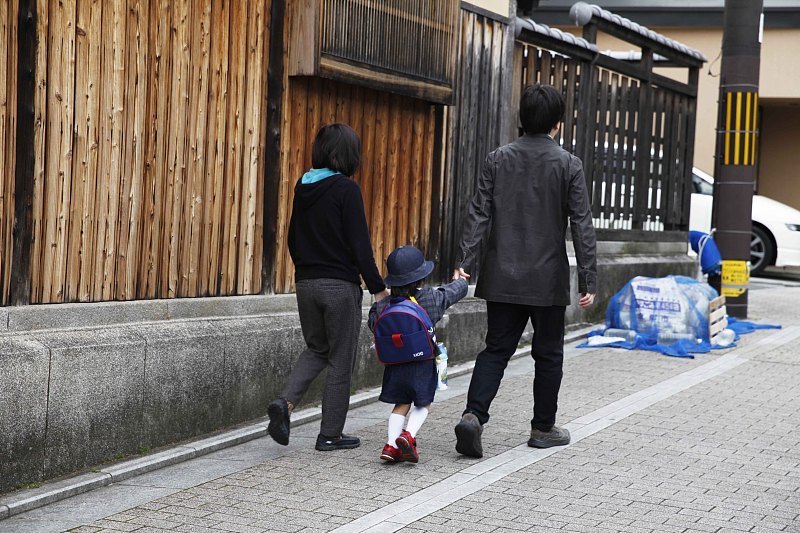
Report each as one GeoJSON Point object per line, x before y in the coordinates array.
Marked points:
{"type": "Point", "coordinates": [81, 384]}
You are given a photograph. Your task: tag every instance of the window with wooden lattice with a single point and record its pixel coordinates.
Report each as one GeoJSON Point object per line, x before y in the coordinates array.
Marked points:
{"type": "Point", "coordinates": [404, 46]}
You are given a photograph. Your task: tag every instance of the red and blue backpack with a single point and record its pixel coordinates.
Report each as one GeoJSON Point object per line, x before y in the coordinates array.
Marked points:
{"type": "Point", "coordinates": [404, 333]}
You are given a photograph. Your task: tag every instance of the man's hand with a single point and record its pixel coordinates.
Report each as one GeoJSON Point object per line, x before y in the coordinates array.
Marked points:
{"type": "Point", "coordinates": [382, 295]}
{"type": "Point", "coordinates": [459, 274]}
{"type": "Point", "coordinates": [586, 300]}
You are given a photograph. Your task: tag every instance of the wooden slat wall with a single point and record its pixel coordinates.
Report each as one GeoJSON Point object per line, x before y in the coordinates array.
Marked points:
{"type": "Point", "coordinates": [606, 138]}
{"type": "Point", "coordinates": [151, 119]}
{"type": "Point", "coordinates": [397, 135]}
{"type": "Point", "coordinates": [8, 127]}
{"type": "Point", "coordinates": [474, 124]}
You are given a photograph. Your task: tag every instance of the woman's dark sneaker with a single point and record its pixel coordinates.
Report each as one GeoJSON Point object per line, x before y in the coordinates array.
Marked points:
{"type": "Point", "coordinates": [278, 428]}
{"type": "Point", "coordinates": [468, 436]}
{"type": "Point", "coordinates": [545, 439]}
{"type": "Point", "coordinates": [345, 442]}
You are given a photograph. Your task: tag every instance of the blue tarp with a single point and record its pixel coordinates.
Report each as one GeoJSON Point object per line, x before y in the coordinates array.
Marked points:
{"type": "Point", "coordinates": [669, 316]}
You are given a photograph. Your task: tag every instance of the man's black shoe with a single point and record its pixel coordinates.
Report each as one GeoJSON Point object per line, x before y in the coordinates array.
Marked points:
{"type": "Point", "coordinates": [278, 428]}
{"type": "Point", "coordinates": [345, 442]}
{"type": "Point", "coordinates": [468, 436]}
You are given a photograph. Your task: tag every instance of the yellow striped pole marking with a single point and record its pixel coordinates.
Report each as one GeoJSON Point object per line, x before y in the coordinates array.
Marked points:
{"type": "Point", "coordinates": [736, 136]}
{"type": "Point", "coordinates": [728, 129]}
{"type": "Point", "coordinates": [747, 134]}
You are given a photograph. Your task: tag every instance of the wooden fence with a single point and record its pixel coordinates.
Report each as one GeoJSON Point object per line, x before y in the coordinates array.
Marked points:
{"type": "Point", "coordinates": [633, 130]}
{"type": "Point", "coordinates": [396, 174]}
{"type": "Point", "coordinates": [149, 148]}
{"type": "Point", "coordinates": [8, 112]}
{"type": "Point", "coordinates": [476, 123]}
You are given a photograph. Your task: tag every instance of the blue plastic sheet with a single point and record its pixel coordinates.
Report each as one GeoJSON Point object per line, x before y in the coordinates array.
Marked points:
{"type": "Point", "coordinates": [669, 316]}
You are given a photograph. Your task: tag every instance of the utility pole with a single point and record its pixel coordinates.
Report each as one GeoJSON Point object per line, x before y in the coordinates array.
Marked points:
{"type": "Point", "coordinates": [735, 163]}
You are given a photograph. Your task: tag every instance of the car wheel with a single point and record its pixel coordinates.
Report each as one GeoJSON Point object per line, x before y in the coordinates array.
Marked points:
{"type": "Point", "coordinates": [762, 250]}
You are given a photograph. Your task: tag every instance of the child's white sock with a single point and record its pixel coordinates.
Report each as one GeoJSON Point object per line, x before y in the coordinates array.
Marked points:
{"type": "Point", "coordinates": [396, 423]}
{"type": "Point", "coordinates": [415, 419]}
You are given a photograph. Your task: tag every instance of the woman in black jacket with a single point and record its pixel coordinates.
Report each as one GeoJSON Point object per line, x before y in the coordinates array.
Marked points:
{"type": "Point", "coordinates": [331, 249]}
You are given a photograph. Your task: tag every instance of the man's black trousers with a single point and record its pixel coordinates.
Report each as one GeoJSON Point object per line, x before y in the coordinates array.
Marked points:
{"type": "Point", "coordinates": [506, 324]}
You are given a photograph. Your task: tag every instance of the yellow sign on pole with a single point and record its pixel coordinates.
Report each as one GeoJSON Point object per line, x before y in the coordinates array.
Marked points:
{"type": "Point", "coordinates": [735, 278]}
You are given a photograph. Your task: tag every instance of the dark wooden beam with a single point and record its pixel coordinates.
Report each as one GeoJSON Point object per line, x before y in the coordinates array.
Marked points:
{"type": "Point", "coordinates": [20, 292]}
{"type": "Point", "coordinates": [556, 45]}
{"type": "Point", "coordinates": [272, 165]}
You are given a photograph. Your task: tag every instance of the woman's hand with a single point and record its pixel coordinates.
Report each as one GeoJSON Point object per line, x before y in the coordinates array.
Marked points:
{"type": "Point", "coordinates": [382, 295]}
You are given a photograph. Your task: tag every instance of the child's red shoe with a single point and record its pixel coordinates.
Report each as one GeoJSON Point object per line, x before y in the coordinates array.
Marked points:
{"type": "Point", "coordinates": [408, 447]}
{"type": "Point", "coordinates": [390, 454]}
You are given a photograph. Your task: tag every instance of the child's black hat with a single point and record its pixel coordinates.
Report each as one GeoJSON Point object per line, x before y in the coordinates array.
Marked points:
{"type": "Point", "coordinates": [407, 265]}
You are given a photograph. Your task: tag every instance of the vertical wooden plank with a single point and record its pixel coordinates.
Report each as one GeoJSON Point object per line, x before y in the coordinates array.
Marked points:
{"type": "Point", "coordinates": [428, 174]}
{"type": "Point", "coordinates": [630, 175]}
{"type": "Point", "coordinates": [418, 193]}
{"type": "Point", "coordinates": [41, 119]}
{"type": "Point", "coordinates": [380, 172]}
{"type": "Point", "coordinates": [619, 165]}
{"type": "Point", "coordinates": [131, 192]}
{"type": "Point", "coordinates": [150, 139]}
{"type": "Point", "coordinates": [177, 154]}
{"type": "Point", "coordinates": [392, 176]}
{"type": "Point", "coordinates": [600, 147]}
{"type": "Point", "coordinates": [290, 149]}
{"type": "Point", "coordinates": [116, 178]}
{"type": "Point", "coordinates": [66, 99]}
{"type": "Point", "coordinates": [133, 244]}
{"type": "Point", "coordinates": [368, 148]}
{"type": "Point", "coordinates": [80, 160]}
{"type": "Point", "coordinates": [251, 175]}
{"type": "Point", "coordinates": [608, 163]}
{"type": "Point", "coordinates": [20, 159]}
{"type": "Point", "coordinates": [158, 143]}
{"type": "Point", "coordinates": [404, 177]}
{"type": "Point", "coordinates": [261, 215]}
{"type": "Point", "coordinates": [87, 120]}
{"type": "Point", "coordinates": [103, 205]}
{"type": "Point", "coordinates": [8, 117]}
{"type": "Point", "coordinates": [233, 185]}
{"type": "Point", "coordinates": [55, 127]}
{"type": "Point", "coordinates": [218, 141]}
{"type": "Point", "coordinates": [193, 198]}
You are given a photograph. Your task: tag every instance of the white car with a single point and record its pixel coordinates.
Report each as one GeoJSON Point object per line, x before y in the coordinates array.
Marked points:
{"type": "Point", "coordinates": [776, 227]}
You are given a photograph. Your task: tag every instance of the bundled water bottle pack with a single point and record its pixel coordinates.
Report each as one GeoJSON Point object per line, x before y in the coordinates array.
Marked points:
{"type": "Point", "coordinates": [667, 315]}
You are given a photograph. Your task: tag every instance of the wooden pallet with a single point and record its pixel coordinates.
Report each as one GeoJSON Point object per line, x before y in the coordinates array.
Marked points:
{"type": "Point", "coordinates": [717, 318]}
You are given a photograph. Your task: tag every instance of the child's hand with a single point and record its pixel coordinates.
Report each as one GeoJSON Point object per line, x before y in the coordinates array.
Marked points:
{"type": "Point", "coordinates": [586, 300]}
{"type": "Point", "coordinates": [459, 274]}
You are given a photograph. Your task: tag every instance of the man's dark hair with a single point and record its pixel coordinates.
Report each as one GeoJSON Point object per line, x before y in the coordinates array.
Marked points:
{"type": "Point", "coordinates": [541, 108]}
{"type": "Point", "coordinates": [338, 148]}
{"type": "Point", "coordinates": [406, 291]}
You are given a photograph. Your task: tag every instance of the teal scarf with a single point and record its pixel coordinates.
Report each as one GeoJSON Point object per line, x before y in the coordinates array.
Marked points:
{"type": "Point", "coordinates": [317, 174]}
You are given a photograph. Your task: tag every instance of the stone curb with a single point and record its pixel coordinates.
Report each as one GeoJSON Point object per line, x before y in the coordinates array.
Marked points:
{"type": "Point", "coordinates": [60, 490]}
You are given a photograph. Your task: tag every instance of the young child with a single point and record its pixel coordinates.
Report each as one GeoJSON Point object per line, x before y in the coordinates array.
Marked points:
{"type": "Point", "coordinates": [414, 382]}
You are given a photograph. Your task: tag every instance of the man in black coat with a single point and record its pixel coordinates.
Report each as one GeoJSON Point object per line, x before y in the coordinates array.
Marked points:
{"type": "Point", "coordinates": [517, 224]}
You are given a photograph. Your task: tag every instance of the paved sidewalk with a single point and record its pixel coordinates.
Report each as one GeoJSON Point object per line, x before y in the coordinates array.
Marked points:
{"type": "Point", "coordinates": [659, 444]}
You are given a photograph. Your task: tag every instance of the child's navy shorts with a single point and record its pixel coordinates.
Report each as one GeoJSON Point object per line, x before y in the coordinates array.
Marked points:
{"type": "Point", "coordinates": [410, 383]}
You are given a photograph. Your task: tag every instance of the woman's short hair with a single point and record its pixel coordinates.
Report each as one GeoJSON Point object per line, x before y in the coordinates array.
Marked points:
{"type": "Point", "coordinates": [541, 108]}
{"type": "Point", "coordinates": [338, 148]}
